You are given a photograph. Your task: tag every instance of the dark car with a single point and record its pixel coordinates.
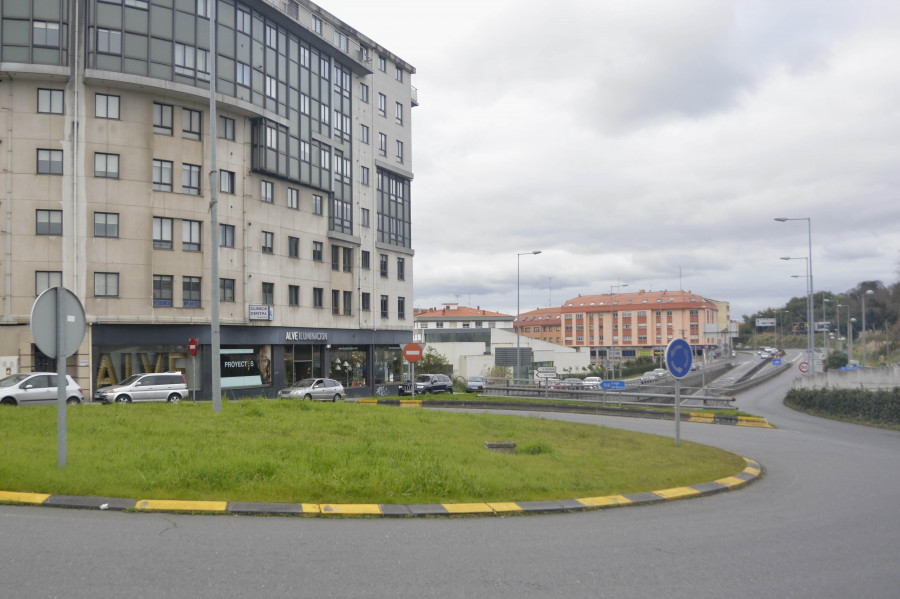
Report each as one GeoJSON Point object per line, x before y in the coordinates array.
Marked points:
{"type": "Point", "coordinates": [429, 383]}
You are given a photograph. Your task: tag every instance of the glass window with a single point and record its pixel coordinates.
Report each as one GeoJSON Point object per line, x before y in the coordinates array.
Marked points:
{"type": "Point", "coordinates": [348, 303]}
{"type": "Point", "coordinates": [109, 41]}
{"type": "Point", "coordinates": [243, 21]}
{"type": "Point", "coordinates": [226, 236]}
{"type": "Point", "coordinates": [226, 290]}
{"type": "Point", "coordinates": [335, 301]}
{"type": "Point", "coordinates": [382, 64]}
{"type": "Point", "coordinates": [267, 193]}
{"type": "Point", "coordinates": [243, 74]}
{"type": "Point", "coordinates": [190, 179]}
{"type": "Point", "coordinates": [364, 180]}
{"type": "Point", "coordinates": [399, 151]}
{"type": "Point", "coordinates": [318, 297]}
{"type": "Point", "coordinates": [226, 128]}
{"type": "Point", "coordinates": [271, 87]}
{"type": "Point", "coordinates": [401, 269]}
{"type": "Point", "coordinates": [268, 242]}
{"type": "Point", "coordinates": [382, 104]}
{"type": "Point", "coordinates": [50, 101]}
{"type": "Point", "coordinates": [162, 290]}
{"type": "Point", "coordinates": [226, 181]}
{"type": "Point", "coordinates": [364, 92]}
{"type": "Point", "coordinates": [317, 24]}
{"type": "Point", "coordinates": [365, 303]}
{"type": "Point", "coordinates": [162, 175]}
{"type": "Point", "coordinates": [268, 293]}
{"type": "Point", "coordinates": [45, 279]}
{"type": "Point", "coordinates": [382, 144]}
{"type": "Point", "coordinates": [106, 224]}
{"type": "Point", "coordinates": [317, 251]}
{"type": "Point", "coordinates": [162, 118]}
{"type": "Point", "coordinates": [293, 198]}
{"type": "Point", "coordinates": [364, 216]}
{"type": "Point", "coordinates": [294, 247]}
{"type": "Point", "coordinates": [185, 59]}
{"type": "Point", "coordinates": [293, 295]}
{"type": "Point", "coordinates": [106, 284]}
{"type": "Point", "coordinates": [398, 112]}
{"type": "Point", "coordinates": [398, 73]}
{"type": "Point", "coordinates": [190, 240]}
{"type": "Point", "coordinates": [348, 259]}
{"type": "Point", "coordinates": [317, 204]}
{"type": "Point", "coordinates": [383, 265]}
{"type": "Point", "coordinates": [401, 307]}
{"type": "Point", "coordinates": [190, 123]}
{"type": "Point", "coordinates": [49, 162]}
{"type": "Point", "coordinates": [106, 165]}
{"type": "Point", "coordinates": [364, 133]}
{"type": "Point", "coordinates": [162, 233]}
{"type": "Point", "coordinates": [48, 222]}
{"type": "Point", "coordinates": [271, 36]}
{"type": "Point", "coordinates": [384, 306]}
{"type": "Point", "coordinates": [45, 34]}
{"type": "Point", "coordinates": [335, 257]}
{"type": "Point", "coordinates": [364, 259]}
{"type": "Point", "coordinates": [106, 107]}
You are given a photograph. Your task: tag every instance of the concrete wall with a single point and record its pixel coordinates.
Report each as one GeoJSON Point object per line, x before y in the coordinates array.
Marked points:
{"type": "Point", "coordinates": [883, 377]}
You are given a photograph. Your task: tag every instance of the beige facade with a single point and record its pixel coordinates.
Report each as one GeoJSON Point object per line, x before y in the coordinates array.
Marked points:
{"type": "Point", "coordinates": [105, 182]}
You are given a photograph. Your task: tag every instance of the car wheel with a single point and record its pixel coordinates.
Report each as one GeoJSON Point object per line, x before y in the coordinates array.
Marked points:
{"type": "Point", "coordinates": [337, 397]}
{"type": "Point", "coordinates": [73, 400]}
{"type": "Point", "coordinates": [307, 396]}
{"type": "Point", "coordinates": [8, 401]}
{"type": "Point", "coordinates": [123, 399]}
{"type": "Point", "coordinates": [450, 390]}
{"type": "Point", "coordinates": [174, 398]}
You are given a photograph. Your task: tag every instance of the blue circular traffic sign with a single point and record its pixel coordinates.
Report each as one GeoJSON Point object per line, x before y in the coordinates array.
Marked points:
{"type": "Point", "coordinates": [679, 358]}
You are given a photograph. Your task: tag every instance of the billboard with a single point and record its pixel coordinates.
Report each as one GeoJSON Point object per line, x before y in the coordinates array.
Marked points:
{"type": "Point", "coordinates": [762, 323]}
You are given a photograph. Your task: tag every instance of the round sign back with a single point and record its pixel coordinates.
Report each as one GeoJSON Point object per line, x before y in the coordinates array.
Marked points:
{"type": "Point", "coordinates": [46, 317]}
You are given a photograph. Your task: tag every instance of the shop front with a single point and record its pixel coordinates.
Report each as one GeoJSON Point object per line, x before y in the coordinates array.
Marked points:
{"type": "Point", "coordinates": [254, 361]}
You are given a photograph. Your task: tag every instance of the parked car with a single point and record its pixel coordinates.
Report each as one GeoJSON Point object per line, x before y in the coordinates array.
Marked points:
{"type": "Point", "coordinates": [147, 386]}
{"type": "Point", "coordinates": [573, 383]}
{"type": "Point", "coordinates": [429, 383]}
{"type": "Point", "coordinates": [475, 384]}
{"type": "Point", "coordinates": [318, 389]}
{"type": "Point", "coordinates": [592, 382]}
{"type": "Point", "coordinates": [34, 388]}
{"type": "Point", "coordinates": [648, 377]}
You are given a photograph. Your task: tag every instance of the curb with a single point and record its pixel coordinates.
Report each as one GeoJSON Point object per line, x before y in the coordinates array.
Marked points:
{"type": "Point", "coordinates": [751, 473]}
{"type": "Point", "coordinates": [698, 417]}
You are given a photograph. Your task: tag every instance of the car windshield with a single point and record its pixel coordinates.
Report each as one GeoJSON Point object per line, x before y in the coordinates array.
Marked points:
{"type": "Point", "coordinates": [477, 379]}
{"type": "Point", "coordinates": [131, 379]}
{"type": "Point", "coordinates": [423, 378]}
{"type": "Point", "coordinates": [305, 383]}
{"type": "Point", "coordinates": [13, 379]}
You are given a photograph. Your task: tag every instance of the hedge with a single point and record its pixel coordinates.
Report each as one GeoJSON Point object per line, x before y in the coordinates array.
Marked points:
{"type": "Point", "coordinates": [881, 407]}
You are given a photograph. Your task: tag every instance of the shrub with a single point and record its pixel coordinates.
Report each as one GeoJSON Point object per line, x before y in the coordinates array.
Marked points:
{"type": "Point", "coordinates": [877, 407]}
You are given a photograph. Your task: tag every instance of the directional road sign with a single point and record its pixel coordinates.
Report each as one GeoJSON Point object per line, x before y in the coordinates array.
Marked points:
{"type": "Point", "coordinates": [679, 358]}
{"type": "Point", "coordinates": [608, 385]}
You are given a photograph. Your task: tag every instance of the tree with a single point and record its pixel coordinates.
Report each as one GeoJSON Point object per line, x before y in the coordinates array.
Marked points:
{"type": "Point", "coordinates": [433, 362]}
{"type": "Point", "coordinates": [836, 360]}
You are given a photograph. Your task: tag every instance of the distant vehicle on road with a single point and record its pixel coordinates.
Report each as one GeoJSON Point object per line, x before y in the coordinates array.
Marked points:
{"type": "Point", "coordinates": [573, 383]}
{"type": "Point", "coordinates": [475, 384]}
{"type": "Point", "coordinates": [147, 386]}
{"type": "Point", "coordinates": [592, 382]}
{"type": "Point", "coordinates": [319, 389]}
{"type": "Point", "coordinates": [429, 383]}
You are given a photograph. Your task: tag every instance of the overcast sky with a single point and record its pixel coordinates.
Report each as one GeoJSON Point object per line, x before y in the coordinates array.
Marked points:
{"type": "Point", "coordinates": [648, 143]}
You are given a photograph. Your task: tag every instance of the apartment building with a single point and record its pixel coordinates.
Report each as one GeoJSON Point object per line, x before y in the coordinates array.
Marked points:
{"type": "Point", "coordinates": [106, 182]}
{"type": "Point", "coordinates": [453, 316]}
{"type": "Point", "coordinates": [627, 325]}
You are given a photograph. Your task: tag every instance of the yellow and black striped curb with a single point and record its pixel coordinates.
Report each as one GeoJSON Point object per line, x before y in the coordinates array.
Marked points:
{"type": "Point", "coordinates": [700, 417]}
{"type": "Point", "coordinates": [751, 472]}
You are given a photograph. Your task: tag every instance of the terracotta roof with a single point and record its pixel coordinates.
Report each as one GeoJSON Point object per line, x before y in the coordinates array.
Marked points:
{"type": "Point", "coordinates": [647, 299]}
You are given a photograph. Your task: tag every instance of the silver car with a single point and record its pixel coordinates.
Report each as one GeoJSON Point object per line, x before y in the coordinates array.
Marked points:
{"type": "Point", "coordinates": [319, 389]}
{"type": "Point", "coordinates": [34, 388]}
{"type": "Point", "coordinates": [148, 386]}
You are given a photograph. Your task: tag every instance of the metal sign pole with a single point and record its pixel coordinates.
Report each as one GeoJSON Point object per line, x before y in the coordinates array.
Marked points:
{"type": "Point", "coordinates": [677, 412]}
{"type": "Point", "coordinates": [61, 385]}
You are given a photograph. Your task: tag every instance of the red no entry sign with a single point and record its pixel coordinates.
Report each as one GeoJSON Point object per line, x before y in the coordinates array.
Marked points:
{"type": "Point", "coordinates": [192, 346]}
{"type": "Point", "coordinates": [412, 352]}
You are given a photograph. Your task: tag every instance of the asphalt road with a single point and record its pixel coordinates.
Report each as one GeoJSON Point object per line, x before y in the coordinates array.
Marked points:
{"type": "Point", "coordinates": [821, 523]}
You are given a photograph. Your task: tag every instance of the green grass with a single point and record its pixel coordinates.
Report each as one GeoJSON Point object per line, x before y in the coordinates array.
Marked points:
{"type": "Point", "coordinates": [295, 451]}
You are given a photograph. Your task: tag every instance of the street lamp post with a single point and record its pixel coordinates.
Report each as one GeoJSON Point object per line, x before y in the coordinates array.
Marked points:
{"type": "Point", "coordinates": [519, 310]}
{"type": "Point", "coordinates": [850, 323]}
{"type": "Point", "coordinates": [824, 328]}
{"type": "Point", "coordinates": [868, 292]}
{"type": "Point", "coordinates": [838, 327]}
{"type": "Point", "coordinates": [810, 345]}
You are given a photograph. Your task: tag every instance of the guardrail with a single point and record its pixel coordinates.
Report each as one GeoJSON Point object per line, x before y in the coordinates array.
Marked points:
{"type": "Point", "coordinates": [602, 396]}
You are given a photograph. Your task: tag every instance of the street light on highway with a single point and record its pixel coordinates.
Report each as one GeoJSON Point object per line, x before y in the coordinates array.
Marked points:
{"type": "Point", "coordinates": [810, 344]}
{"type": "Point", "coordinates": [518, 309]}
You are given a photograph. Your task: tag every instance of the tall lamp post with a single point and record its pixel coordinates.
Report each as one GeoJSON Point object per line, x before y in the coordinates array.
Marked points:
{"type": "Point", "coordinates": [838, 310]}
{"type": "Point", "coordinates": [518, 308]}
{"type": "Point", "coordinates": [850, 323]}
{"type": "Point", "coordinates": [824, 320]}
{"type": "Point", "coordinates": [810, 344]}
{"type": "Point", "coordinates": [868, 292]}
